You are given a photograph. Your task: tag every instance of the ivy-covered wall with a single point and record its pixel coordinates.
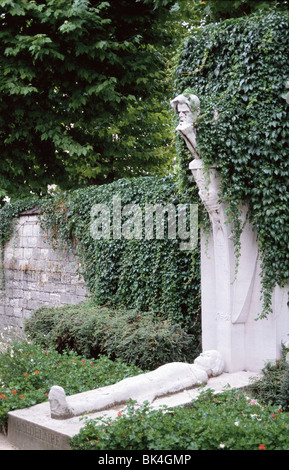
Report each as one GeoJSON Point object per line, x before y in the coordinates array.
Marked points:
{"type": "Point", "coordinates": [149, 275]}
{"type": "Point", "coordinates": [152, 275]}
{"type": "Point", "coordinates": [239, 68]}
{"type": "Point", "coordinates": [34, 275]}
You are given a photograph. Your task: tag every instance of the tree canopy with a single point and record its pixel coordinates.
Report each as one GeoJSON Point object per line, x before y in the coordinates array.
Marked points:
{"type": "Point", "coordinates": [85, 87]}
{"type": "Point", "coordinates": [219, 10]}
{"type": "Point", "coordinates": [82, 89]}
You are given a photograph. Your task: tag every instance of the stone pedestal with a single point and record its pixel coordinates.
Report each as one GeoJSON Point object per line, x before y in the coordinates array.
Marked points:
{"type": "Point", "coordinates": [231, 300]}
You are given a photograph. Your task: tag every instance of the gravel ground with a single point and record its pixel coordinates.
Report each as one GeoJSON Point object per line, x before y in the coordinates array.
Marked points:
{"type": "Point", "coordinates": [5, 444]}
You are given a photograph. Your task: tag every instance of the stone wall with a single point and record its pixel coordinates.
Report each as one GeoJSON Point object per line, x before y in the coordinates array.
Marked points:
{"type": "Point", "coordinates": [35, 274]}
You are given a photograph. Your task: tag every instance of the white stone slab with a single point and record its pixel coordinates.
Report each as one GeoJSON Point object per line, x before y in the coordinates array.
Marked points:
{"type": "Point", "coordinates": [33, 428]}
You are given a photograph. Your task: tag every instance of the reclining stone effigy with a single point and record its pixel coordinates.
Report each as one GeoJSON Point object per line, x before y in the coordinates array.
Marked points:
{"type": "Point", "coordinates": [166, 379]}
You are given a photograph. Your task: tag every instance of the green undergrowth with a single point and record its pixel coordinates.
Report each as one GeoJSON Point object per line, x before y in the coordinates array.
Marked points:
{"type": "Point", "coordinates": [273, 386]}
{"type": "Point", "coordinates": [28, 371]}
{"type": "Point", "coordinates": [227, 421]}
{"type": "Point", "coordinates": [232, 420]}
{"type": "Point", "coordinates": [136, 338]}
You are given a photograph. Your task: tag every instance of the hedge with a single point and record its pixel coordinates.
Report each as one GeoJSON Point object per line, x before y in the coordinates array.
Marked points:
{"type": "Point", "coordinates": [137, 339]}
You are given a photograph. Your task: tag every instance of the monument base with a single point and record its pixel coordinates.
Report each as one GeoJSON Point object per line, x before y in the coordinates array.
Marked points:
{"type": "Point", "coordinates": [231, 287]}
{"type": "Point", "coordinates": [34, 429]}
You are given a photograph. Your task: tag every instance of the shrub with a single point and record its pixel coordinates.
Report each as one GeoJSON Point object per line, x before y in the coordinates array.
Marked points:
{"type": "Point", "coordinates": [273, 386]}
{"type": "Point", "coordinates": [229, 421]}
{"type": "Point", "coordinates": [29, 371]}
{"type": "Point", "coordinates": [135, 338]}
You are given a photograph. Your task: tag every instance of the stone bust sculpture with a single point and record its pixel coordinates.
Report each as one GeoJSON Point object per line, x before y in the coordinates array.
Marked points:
{"type": "Point", "coordinates": [169, 378]}
{"type": "Point", "coordinates": [231, 292]}
{"type": "Point", "coordinates": [188, 109]}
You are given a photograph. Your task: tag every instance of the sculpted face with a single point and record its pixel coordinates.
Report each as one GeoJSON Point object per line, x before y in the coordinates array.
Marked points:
{"type": "Point", "coordinates": [188, 110]}
{"type": "Point", "coordinates": [211, 361]}
{"type": "Point", "coordinates": [185, 114]}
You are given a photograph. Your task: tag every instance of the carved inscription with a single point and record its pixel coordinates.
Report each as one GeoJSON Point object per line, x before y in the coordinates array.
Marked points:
{"type": "Point", "coordinates": [36, 432]}
{"type": "Point", "coordinates": [223, 316]}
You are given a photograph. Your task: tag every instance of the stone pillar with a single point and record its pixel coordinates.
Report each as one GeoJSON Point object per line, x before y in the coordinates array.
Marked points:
{"type": "Point", "coordinates": [217, 275]}
{"type": "Point", "coordinates": [231, 292]}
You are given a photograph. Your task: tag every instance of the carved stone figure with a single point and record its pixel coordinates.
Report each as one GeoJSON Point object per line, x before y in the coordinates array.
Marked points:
{"type": "Point", "coordinates": [208, 186]}
{"type": "Point", "coordinates": [231, 287]}
{"type": "Point", "coordinates": [226, 295]}
{"type": "Point", "coordinates": [188, 110]}
{"type": "Point", "coordinates": [169, 378]}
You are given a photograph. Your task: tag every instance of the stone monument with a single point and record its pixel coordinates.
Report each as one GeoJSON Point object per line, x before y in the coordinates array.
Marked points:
{"type": "Point", "coordinates": [230, 292]}
{"type": "Point", "coordinates": [167, 379]}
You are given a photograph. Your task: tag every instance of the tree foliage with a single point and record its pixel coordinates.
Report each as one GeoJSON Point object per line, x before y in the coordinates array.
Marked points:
{"type": "Point", "coordinates": [240, 67]}
{"type": "Point", "coordinates": [82, 91]}
{"type": "Point", "coordinates": [217, 10]}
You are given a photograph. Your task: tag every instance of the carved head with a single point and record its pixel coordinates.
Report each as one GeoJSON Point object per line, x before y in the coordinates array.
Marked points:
{"type": "Point", "coordinates": [211, 361]}
{"type": "Point", "coordinates": [188, 108]}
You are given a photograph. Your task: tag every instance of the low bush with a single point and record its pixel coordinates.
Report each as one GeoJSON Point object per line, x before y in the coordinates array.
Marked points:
{"type": "Point", "coordinates": [273, 386]}
{"type": "Point", "coordinates": [139, 339]}
{"type": "Point", "coordinates": [230, 421]}
{"type": "Point", "coordinates": [28, 372]}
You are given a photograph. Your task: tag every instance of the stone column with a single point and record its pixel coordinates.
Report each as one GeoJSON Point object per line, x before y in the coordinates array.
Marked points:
{"type": "Point", "coordinates": [217, 275]}
{"type": "Point", "coordinates": [231, 291]}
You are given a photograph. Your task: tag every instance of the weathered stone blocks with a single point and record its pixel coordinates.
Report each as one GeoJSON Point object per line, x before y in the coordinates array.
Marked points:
{"type": "Point", "coordinates": [35, 274]}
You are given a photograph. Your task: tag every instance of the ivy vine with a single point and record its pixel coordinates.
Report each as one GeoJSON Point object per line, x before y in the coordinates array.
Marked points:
{"type": "Point", "coordinates": [148, 275]}
{"type": "Point", "coordinates": [240, 67]}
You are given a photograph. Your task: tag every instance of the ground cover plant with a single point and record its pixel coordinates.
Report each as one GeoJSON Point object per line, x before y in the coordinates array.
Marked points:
{"type": "Point", "coordinates": [233, 420]}
{"type": "Point", "coordinates": [226, 421]}
{"type": "Point", "coordinates": [29, 371]}
{"type": "Point", "coordinates": [273, 385]}
{"type": "Point", "coordinates": [255, 419]}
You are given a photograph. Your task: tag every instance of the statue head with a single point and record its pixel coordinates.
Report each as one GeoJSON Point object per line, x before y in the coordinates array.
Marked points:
{"type": "Point", "coordinates": [187, 107]}
{"type": "Point", "coordinates": [211, 361]}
